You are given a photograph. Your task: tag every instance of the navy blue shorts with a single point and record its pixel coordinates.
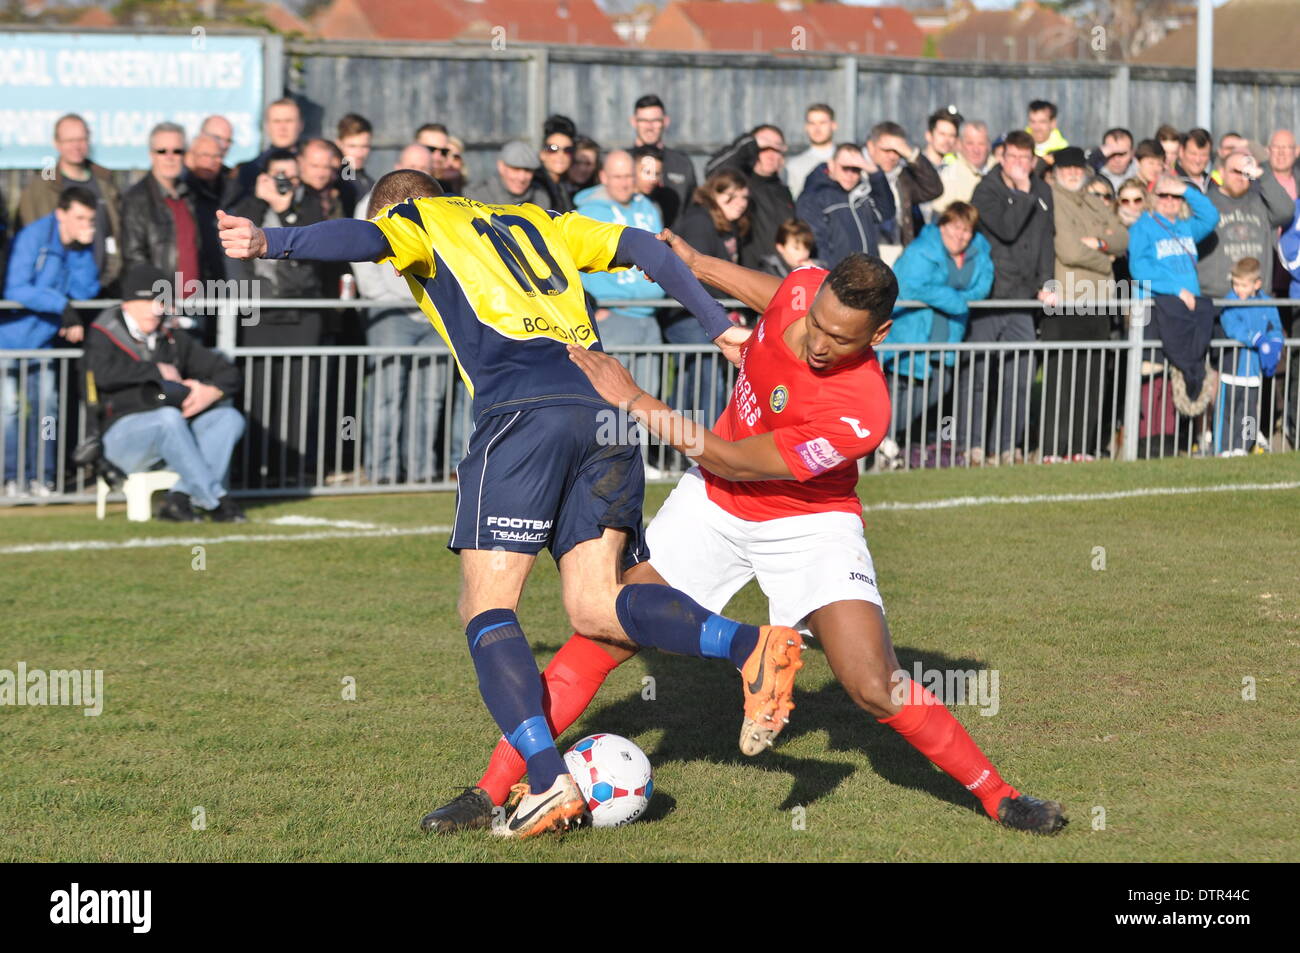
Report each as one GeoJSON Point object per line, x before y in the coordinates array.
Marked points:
{"type": "Point", "coordinates": [549, 477]}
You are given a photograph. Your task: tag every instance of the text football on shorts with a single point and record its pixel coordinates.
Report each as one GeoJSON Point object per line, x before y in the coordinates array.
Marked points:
{"type": "Point", "coordinates": [614, 776]}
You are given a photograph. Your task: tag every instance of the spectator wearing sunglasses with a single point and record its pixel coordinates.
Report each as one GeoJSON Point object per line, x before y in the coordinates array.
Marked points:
{"type": "Point", "coordinates": [1130, 202]}
{"type": "Point", "coordinates": [159, 222]}
{"type": "Point", "coordinates": [1102, 188]}
{"type": "Point", "coordinates": [454, 181]}
{"type": "Point", "coordinates": [556, 156]}
{"type": "Point", "coordinates": [844, 206]}
{"type": "Point", "coordinates": [435, 137]}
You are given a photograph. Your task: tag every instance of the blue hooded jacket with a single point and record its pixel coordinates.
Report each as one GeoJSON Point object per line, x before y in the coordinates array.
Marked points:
{"type": "Point", "coordinates": [1164, 253]}
{"type": "Point", "coordinates": [630, 283]}
{"type": "Point", "coordinates": [43, 275]}
{"type": "Point", "coordinates": [844, 222]}
{"type": "Point", "coordinates": [1288, 247]}
{"type": "Point", "coordinates": [1246, 324]}
{"type": "Point", "coordinates": [926, 272]}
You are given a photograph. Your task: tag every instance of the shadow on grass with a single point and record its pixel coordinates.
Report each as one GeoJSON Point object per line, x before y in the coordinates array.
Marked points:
{"type": "Point", "coordinates": [696, 705]}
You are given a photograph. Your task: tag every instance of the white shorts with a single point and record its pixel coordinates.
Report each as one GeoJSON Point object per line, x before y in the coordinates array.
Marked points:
{"type": "Point", "coordinates": [801, 562]}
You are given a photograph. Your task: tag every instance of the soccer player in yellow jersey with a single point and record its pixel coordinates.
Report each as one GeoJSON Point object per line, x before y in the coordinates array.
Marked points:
{"type": "Point", "coordinates": [544, 468]}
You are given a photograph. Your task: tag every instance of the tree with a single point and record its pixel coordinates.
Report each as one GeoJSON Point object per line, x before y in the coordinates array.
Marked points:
{"type": "Point", "coordinates": [1130, 25]}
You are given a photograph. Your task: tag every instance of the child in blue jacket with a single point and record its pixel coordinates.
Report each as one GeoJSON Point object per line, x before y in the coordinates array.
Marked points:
{"type": "Point", "coordinates": [1260, 330]}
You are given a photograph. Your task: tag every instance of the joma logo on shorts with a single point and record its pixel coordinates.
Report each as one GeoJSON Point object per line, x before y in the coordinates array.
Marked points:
{"type": "Point", "coordinates": [510, 522]}
{"type": "Point", "coordinates": [861, 577]}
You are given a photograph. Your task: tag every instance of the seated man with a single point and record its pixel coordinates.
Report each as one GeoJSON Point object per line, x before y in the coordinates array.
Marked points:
{"type": "Point", "coordinates": [159, 390]}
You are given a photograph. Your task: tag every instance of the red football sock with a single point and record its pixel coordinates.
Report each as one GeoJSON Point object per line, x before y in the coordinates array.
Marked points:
{"type": "Point", "coordinates": [569, 684]}
{"type": "Point", "coordinates": [931, 729]}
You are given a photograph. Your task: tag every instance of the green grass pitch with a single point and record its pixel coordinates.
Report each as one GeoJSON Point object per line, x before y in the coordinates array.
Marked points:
{"type": "Point", "coordinates": [1155, 697]}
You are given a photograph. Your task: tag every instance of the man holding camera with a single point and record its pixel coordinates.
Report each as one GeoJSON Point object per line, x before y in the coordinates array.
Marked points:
{"type": "Point", "coordinates": [282, 198]}
{"type": "Point", "coordinates": [162, 399]}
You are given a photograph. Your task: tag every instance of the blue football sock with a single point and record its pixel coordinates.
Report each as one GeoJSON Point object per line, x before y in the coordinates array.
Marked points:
{"type": "Point", "coordinates": [671, 620]}
{"type": "Point", "coordinates": [512, 691]}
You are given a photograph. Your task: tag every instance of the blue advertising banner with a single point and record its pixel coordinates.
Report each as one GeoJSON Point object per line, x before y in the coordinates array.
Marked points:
{"type": "Point", "coordinates": [123, 84]}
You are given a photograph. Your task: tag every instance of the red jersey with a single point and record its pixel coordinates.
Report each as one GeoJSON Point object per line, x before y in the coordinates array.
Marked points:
{"type": "Point", "coordinates": [822, 421]}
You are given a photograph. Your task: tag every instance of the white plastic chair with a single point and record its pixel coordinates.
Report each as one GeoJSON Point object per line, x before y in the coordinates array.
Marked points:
{"type": "Point", "coordinates": [139, 489]}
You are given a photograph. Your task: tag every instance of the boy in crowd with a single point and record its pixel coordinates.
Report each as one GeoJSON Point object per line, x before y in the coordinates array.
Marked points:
{"type": "Point", "coordinates": [794, 249]}
{"type": "Point", "coordinates": [1260, 330]}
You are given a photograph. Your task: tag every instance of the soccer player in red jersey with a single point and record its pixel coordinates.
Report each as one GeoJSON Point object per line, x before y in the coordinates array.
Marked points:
{"type": "Point", "coordinates": [774, 497]}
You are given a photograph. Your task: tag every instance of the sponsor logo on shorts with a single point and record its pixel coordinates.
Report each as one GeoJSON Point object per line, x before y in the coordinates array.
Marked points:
{"type": "Point", "coordinates": [516, 536]}
{"type": "Point", "coordinates": [511, 529]}
{"type": "Point", "coordinates": [861, 577]}
{"type": "Point", "coordinates": [780, 397]}
{"type": "Point", "coordinates": [818, 455]}
{"type": "Point", "coordinates": [510, 522]}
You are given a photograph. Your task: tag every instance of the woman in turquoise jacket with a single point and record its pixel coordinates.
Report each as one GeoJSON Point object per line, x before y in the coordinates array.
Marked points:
{"type": "Point", "coordinates": [946, 267]}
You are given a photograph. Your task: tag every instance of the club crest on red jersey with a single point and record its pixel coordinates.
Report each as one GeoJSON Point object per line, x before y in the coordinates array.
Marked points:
{"type": "Point", "coordinates": [780, 397]}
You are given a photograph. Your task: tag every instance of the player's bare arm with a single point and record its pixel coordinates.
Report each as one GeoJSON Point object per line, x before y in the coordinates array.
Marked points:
{"type": "Point", "coordinates": [754, 458]}
{"type": "Point", "coordinates": [754, 288]}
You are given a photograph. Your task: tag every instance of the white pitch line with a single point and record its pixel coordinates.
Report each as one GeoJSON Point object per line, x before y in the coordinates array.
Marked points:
{"type": "Point", "coordinates": [1080, 497]}
{"type": "Point", "coordinates": [157, 542]}
{"type": "Point", "coordinates": [319, 521]}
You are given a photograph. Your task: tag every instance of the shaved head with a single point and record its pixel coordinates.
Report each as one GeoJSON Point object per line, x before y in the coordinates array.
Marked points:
{"type": "Point", "coordinates": [399, 186]}
{"type": "Point", "coordinates": [618, 176]}
{"type": "Point", "coordinates": [415, 157]}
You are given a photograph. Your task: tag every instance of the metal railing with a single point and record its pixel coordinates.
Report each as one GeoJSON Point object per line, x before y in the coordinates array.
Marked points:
{"type": "Point", "coordinates": [332, 420]}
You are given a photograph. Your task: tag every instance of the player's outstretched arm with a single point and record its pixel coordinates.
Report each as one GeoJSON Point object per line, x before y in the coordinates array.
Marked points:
{"type": "Point", "coordinates": [755, 288]}
{"type": "Point", "coordinates": [343, 239]}
{"type": "Point", "coordinates": [645, 251]}
{"type": "Point", "coordinates": [754, 458]}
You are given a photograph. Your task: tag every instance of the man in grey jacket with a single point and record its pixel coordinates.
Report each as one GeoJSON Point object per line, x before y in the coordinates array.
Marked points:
{"type": "Point", "coordinates": [1252, 206]}
{"type": "Point", "coordinates": [1016, 216]}
{"type": "Point", "coordinates": [513, 184]}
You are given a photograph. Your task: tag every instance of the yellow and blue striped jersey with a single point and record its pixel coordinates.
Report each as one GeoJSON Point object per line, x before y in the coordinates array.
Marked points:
{"type": "Point", "coordinates": [500, 284]}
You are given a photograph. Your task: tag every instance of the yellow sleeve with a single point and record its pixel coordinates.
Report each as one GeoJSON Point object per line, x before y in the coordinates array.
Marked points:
{"type": "Point", "coordinates": [592, 244]}
{"type": "Point", "coordinates": [412, 247]}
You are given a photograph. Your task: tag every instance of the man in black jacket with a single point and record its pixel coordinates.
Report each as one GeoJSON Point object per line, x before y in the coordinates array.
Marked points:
{"type": "Point", "coordinates": [1016, 216]}
{"type": "Point", "coordinates": [160, 220]}
{"type": "Point", "coordinates": [911, 176]}
{"type": "Point", "coordinates": [844, 206]}
{"type": "Point", "coordinates": [760, 155]}
{"type": "Point", "coordinates": [282, 198]}
{"type": "Point", "coordinates": [163, 399]}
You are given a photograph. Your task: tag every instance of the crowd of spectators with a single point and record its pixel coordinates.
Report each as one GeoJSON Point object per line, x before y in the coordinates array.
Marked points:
{"type": "Point", "coordinates": [962, 215]}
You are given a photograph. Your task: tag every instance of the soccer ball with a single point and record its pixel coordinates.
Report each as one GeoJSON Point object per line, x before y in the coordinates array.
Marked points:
{"type": "Point", "coordinates": [615, 778]}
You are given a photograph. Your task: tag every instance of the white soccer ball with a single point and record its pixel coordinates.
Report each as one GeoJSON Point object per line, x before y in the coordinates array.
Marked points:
{"type": "Point", "coordinates": [615, 778]}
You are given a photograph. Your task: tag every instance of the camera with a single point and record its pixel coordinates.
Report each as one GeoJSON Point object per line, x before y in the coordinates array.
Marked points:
{"type": "Point", "coordinates": [283, 185]}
